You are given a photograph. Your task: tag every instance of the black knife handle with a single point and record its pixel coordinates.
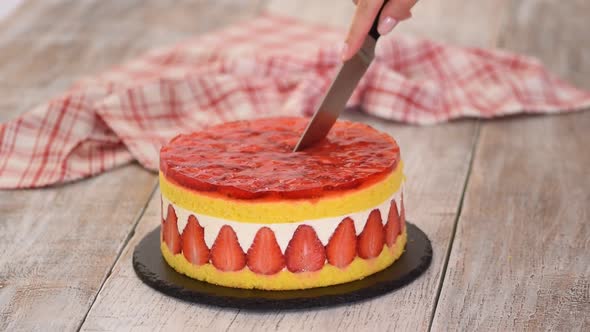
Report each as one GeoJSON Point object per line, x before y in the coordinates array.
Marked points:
{"type": "Point", "coordinates": [373, 32]}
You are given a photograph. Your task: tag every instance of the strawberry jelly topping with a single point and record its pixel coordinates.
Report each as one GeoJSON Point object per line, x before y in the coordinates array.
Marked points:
{"type": "Point", "coordinates": [254, 159]}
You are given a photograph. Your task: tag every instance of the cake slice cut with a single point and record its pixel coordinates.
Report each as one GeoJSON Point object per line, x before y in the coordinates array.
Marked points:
{"type": "Point", "coordinates": [240, 209]}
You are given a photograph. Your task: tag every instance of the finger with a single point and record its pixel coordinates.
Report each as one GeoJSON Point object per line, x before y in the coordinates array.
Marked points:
{"type": "Point", "coordinates": [393, 12]}
{"type": "Point", "coordinates": [364, 15]}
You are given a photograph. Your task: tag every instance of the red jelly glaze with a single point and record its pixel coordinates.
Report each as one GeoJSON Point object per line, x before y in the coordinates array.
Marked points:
{"type": "Point", "coordinates": [254, 159]}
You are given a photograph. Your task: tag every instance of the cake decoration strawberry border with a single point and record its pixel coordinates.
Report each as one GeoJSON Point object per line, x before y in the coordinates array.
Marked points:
{"type": "Point", "coordinates": [347, 255]}
{"type": "Point", "coordinates": [155, 272]}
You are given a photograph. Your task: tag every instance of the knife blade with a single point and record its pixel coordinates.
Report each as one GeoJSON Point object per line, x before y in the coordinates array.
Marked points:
{"type": "Point", "coordinates": [335, 99]}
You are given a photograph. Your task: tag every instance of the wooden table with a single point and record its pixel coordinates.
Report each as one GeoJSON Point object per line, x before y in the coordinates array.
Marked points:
{"type": "Point", "coordinates": [507, 209]}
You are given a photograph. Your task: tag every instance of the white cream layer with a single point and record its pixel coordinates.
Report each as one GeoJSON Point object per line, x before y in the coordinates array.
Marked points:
{"type": "Point", "coordinates": [246, 232]}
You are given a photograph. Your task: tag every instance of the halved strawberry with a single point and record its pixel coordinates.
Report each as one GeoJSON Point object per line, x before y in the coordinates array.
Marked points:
{"type": "Point", "coordinates": [264, 255]}
{"type": "Point", "coordinates": [170, 231]}
{"type": "Point", "coordinates": [392, 228]}
{"type": "Point", "coordinates": [402, 213]}
{"type": "Point", "coordinates": [341, 248]}
{"type": "Point", "coordinates": [305, 251]}
{"type": "Point", "coordinates": [370, 241]}
{"type": "Point", "coordinates": [194, 248]}
{"type": "Point", "coordinates": [226, 253]}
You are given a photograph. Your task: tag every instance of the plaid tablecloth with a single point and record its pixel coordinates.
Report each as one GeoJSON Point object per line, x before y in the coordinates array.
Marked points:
{"type": "Point", "coordinates": [268, 66]}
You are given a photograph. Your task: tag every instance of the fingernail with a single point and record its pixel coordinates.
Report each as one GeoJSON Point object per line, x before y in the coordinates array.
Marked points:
{"type": "Point", "coordinates": [344, 52]}
{"type": "Point", "coordinates": [386, 25]}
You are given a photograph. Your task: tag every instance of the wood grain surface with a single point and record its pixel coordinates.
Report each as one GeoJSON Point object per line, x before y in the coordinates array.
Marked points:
{"type": "Point", "coordinates": [556, 32]}
{"type": "Point", "coordinates": [520, 259]}
{"type": "Point", "coordinates": [520, 256]}
{"type": "Point", "coordinates": [60, 243]}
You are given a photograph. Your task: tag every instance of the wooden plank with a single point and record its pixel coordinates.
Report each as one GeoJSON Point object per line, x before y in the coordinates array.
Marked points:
{"type": "Point", "coordinates": [40, 55]}
{"type": "Point", "coordinates": [60, 243]}
{"type": "Point", "coordinates": [521, 251]}
{"type": "Point", "coordinates": [125, 303]}
{"type": "Point", "coordinates": [554, 31]}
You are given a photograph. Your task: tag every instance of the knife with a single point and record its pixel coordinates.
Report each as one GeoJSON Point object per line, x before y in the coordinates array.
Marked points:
{"type": "Point", "coordinates": [340, 90]}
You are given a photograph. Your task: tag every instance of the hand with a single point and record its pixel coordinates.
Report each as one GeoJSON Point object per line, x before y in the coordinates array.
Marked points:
{"type": "Point", "coordinates": [366, 11]}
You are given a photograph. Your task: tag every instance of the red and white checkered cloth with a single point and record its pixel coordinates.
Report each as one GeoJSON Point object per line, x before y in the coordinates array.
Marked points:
{"type": "Point", "coordinates": [267, 66]}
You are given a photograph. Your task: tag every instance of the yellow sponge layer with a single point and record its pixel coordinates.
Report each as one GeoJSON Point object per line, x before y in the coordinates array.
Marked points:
{"type": "Point", "coordinates": [283, 211]}
{"type": "Point", "coordinates": [286, 280]}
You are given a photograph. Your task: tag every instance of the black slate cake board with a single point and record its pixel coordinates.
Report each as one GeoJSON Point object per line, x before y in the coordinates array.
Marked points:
{"type": "Point", "coordinates": [153, 270]}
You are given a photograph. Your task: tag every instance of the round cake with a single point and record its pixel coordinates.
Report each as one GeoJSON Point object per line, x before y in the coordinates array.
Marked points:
{"type": "Point", "coordinates": [240, 209]}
